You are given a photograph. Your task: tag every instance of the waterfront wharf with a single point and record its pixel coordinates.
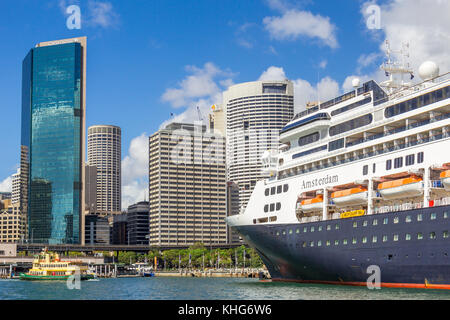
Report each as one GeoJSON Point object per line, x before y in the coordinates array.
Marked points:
{"type": "Point", "coordinates": [216, 273]}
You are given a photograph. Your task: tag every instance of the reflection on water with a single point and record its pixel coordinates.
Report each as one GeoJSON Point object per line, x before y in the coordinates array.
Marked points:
{"type": "Point", "coordinates": [203, 289]}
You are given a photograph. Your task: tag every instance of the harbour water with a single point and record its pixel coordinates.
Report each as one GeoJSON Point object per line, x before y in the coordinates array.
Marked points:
{"type": "Point", "coordinates": [203, 289]}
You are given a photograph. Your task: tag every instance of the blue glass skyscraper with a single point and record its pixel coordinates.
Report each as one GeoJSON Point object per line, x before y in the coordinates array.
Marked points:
{"type": "Point", "coordinates": [53, 135]}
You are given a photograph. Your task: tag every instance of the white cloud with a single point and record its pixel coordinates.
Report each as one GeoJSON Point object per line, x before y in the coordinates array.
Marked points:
{"type": "Point", "coordinates": [296, 23]}
{"type": "Point", "coordinates": [94, 13]}
{"type": "Point", "coordinates": [424, 24]}
{"type": "Point", "coordinates": [6, 185]}
{"type": "Point", "coordinates": [135, 171]}
{"type": "Point", "coordinates": [274, 74]}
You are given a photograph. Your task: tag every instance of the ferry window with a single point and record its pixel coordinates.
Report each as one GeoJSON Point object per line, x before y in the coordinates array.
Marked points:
{"type": "Point", "coordinates": [409, 160]}
{"type": "Point", "coordinates": [445, 215]}
{"type": "Point", "coordinates": [388, 164]}
{"type": "Point", "coordinates": [305, 229]}
{"type": "Point", "coordinates": [354, 240]}
{"type": "Point", "coordinates": [433, 216]}
{"type": "Point", "coordinates": [385, 238]}
{"type": "Point", "coordinates": [398, 162]}
{"type": "Point", "coordinates": [432, 235]}
{"type": "Point", "coordinates": [319, 243]}
{"type": "Point", "coordinates": [272, 207]}
{"type": "Point", "coordinates": [267, 192]}
{"type": "Point", "coordinates": [285, 188]}
{"type": "Point", "coordinates": [365, 170]}
{"type": "Point", "coordinates": [396, 219]}
{"type": "Point", "coordinates": [419, 236]}
{"type": "Point", "coordinates": [336, 144]}
{"type": "Point", "coordinates": [266, 208]}
{"type": "Point", "coordinates": [304, 244]}
{"type": "Point", "coordinates": [336, 242]}
{"type": "Point", "coordinates": [312, 229]}
{"type": "Point", "coordinates": [385, 221]}
{"type": "Point", "coordinates": [272, 190]}
{"type": "Point", "coordinates": [297, 231]}
{"type": "Point", "coordinates": [336, 227]}
{"type": "Point", "coordinates": [355, 224]}
{"type": "Point", "coordinates": [279, 189]}
{"type": "Point", "coordinates": [364, 240]}
{"type": "Point", "coordinates": [278, 233]}
{"type": "Point", "coordinates": [351, 106]}
{"type": "Point", "coordinates": [374, 239]}
{"type": "Point", "coordinates": [395, 237]}
{"type": "Point", "coordinates": [408, 219]}
{"type": "Point", "coordinates": [319, 228]}
{"type": "Point", "coordinates": [420, 157]}
{"type": "Point", "coordinates": [408, 237]}
{"type": "Point", "coordinates": [365, 223]}
{"type": "Point", "coordinates": [344, 241]}
{"type": "Point", "coordinates": [351, 124]}
{"type": "Point", "coordinates": [329, 227]}
{"type": "Point", "coordinates": [328, 243]}
{"type": "Point", "coordinates": [278, 206]}
{"type": "Point", "coordinates": [375, 222]}
{"type": "Point", "coordinates": [311, 244]}
{"type": "Point", "coordinates": [445, 234]}
{"type": "Point", "coordinates": [419, 217]}
{"type": "Point", "coordinates": [311, 138]}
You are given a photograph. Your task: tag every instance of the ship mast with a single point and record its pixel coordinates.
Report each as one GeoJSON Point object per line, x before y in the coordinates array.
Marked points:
{"type": "Point", "coordinates": [396, 70]}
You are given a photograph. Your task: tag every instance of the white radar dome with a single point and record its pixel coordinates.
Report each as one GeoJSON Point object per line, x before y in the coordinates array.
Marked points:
{"type": "Point", "coordinates": [428, 70]}
{"type": "Point", "coordinates": [356, 82]}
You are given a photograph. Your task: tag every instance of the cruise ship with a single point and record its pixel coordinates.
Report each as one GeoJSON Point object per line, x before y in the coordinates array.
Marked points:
{"type": "Point", "coordinates": [359, 181]}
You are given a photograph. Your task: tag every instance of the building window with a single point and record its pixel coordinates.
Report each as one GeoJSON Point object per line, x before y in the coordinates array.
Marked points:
{"type": "Point", "coordinates": [328, 243]}
{"type": "Point", "coordinates": [419, 236]}
{"type": "Point", "coordinates": [374, 239]}
{"type": "Point", "coordinates": [344, 241]}
{"type": "Point", "coordinates": [319, 228]}
{"type": "Point", "coordinates": [364, 240]}
{"type": "Point", "coordinates": [385, 238]}
{"type": "Point", "coordinates": [305, 229]}
{"type": "Point", "coordinates": [408, 237]}
{"type": "Point", "coordinates": [328, 227]}
{"type": "Point", "coordinates": [319, 243]}
{"type": "Point", "coordinates": [433, 216]}
{"type": "Point", "coordinates": [336, 242]}
{"type": "Point", "coordinates": [365, 223]}
{"type": "Point", "coordinates": [375, 222]}
{"type": "Point", "coordinates": [408, 219]}
{"type": "Point", "coordinates": [445, 215]}
{"type": "Point", "coordinates": [385, 221]}
{"type": "Point", "coordinates": [396, 219]}
{"type": "Point", "coordinates": [312, 229]}
{"type": "Point", "coordinates": [395, 237]}
{"type": "Point", "coordinates": [419, 217]}
{"type": "Point", "coordinates": [354, 241]}
{"type": "Point", "coordinates": [355, 224]}
{"type": "Point", "coordinates": [432, 235]}
{"type": "Point", "coordinates": [445, 234]}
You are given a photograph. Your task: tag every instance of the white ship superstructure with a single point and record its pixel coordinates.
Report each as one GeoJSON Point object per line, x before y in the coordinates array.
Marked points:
{"type": "Point", "coordinates": [359, 140]}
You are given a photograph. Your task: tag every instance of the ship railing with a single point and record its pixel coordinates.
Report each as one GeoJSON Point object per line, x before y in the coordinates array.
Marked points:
{"type": "Point", "coordinates": [436, 184]}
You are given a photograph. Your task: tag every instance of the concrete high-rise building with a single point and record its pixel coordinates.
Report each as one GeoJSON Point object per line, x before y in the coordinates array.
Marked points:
{"type": "Point", "coordinates": [97, 229]}
{"type": "Point", "coordinates": [187, 186]}
{"type": "Point", "coordinates": [16, 187]}
{"type": "Point", "coordinates": [53, 140]}
{"type": "Point", "coordinates": [104, 152]}
{"type": "Point", "coordinates": [217, 121]}
{"type": "Point", "coordinates": [255, 113]}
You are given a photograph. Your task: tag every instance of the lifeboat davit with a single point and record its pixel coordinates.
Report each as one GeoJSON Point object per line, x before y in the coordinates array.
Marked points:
{"type": "Point", "coordinates": [315, 204]}
{"type": "Point", "coordinates": [402, 188]}
{"type": "Point", "coordinates": [351, 196]}
{"type": "Point", "coordinates": [445, 178]}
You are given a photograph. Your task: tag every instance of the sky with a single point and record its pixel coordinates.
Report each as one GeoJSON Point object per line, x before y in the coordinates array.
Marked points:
{"type": "Point", "coordinates": [148, 59]}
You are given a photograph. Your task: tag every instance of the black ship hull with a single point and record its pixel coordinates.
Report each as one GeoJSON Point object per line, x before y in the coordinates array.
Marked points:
{"type": "Point", "coordinates": [410, 248]}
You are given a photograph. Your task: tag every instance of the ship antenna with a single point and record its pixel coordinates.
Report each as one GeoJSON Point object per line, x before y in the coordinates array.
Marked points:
{"type": "Point", "coordinates": [393, 68]}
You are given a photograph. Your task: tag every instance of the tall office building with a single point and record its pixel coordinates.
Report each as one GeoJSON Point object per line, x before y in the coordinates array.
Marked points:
{"type": "Point", "coordinates": [53, 135]}
{"type": "Point", "coordinates": [90, 178]}
{"type": "Point", "coordinates": [104, 152]}
{"type": "Point", "coordinates": [187, 190]}
{"type": "Point", "coordinates": [138, 223]}
{"type": "Point", "coordinates": [16, 187]}
{"type": "Point", "coordinates": [255, 113]}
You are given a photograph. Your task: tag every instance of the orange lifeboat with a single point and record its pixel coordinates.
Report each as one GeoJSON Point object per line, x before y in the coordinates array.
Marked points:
{"type": "Point", "coordinates": [401, 188]}
{"type": "Point", "coordinates": [445, 178]}
{"type": "Point", "coordinates": [314, 204]}
{"type": "Point", "coordinates": [353, 196]}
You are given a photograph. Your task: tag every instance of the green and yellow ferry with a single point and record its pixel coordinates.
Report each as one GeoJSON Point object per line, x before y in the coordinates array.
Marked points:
{"type": "Point", "coordinates": [48, 266]}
